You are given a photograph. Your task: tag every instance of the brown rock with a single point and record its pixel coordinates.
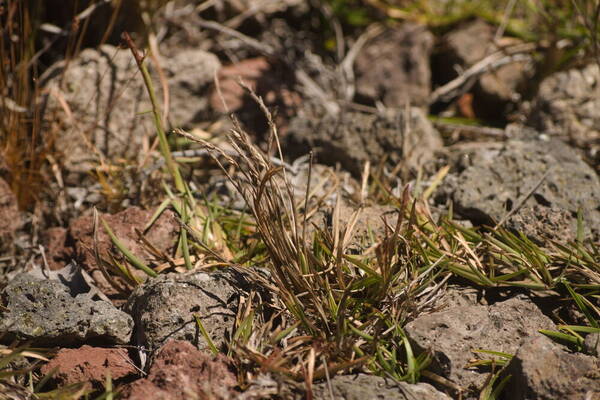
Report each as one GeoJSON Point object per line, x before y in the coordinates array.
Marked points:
{"type": "Point", "coordinates": [232, 94]}
{"type": "Point", "coordinates": [269, 80]}
{"type": "Point", "coordinates": [394, 67]}
{"type": "Point", "coordinates": [107, 103]}
{"type": "Point", "coordinates": [567, 105]}
{"type": "Point", "coordinates": [90, 364]}
{"type": "Point", "coordinates": [180, 371]}
{"type": "Point", "coordinates": [10, 217]}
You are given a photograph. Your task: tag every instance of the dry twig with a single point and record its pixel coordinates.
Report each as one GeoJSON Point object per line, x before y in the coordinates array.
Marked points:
{"type": "Point", "coordinates": [460, 85]}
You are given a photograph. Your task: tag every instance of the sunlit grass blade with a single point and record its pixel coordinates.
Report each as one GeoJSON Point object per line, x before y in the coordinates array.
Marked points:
{"type": "Point", "coordinates": [132, 258]}
{"type": "Point", "coordinates": [206, 336]}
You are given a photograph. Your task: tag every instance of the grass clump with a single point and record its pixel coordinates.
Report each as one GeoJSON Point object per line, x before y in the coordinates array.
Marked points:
{"type": "Point", "coordinates": [345, 311]}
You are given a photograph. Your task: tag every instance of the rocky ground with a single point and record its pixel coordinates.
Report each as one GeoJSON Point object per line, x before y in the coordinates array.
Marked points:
{"type": "Point", "coordinates": [422, 223]}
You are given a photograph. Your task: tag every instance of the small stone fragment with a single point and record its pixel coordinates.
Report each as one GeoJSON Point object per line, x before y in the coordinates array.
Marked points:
{"type": "Point", "coordinates": [592, 344]}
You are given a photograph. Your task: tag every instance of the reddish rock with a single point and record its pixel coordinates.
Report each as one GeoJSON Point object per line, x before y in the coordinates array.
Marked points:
{"type": "Point", "coordinates": [57, 253]}
{"type": "Point", "coordinates": [162, 235]}
{"type": "Point", "coordinates": [90, 364]}
{"type": "Point", "coordinates": [271, 81]}
{"type": "Point", "coordinates": [233, 94]}
{"type": "Point", "coordinates": [180, 371]}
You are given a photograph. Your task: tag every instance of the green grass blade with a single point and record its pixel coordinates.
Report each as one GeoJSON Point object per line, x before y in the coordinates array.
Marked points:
{"type": "Point", "coordinates": [132, 258]}
{"type": "Point", "coordinates": [211, 344]}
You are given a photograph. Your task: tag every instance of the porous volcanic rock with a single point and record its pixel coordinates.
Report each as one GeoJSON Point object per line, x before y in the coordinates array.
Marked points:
{"type": "Point", "coordinates": [353, 138]}
{"type": "Point", "coordinates": [451, 335]}
{"type": "Point", "coordinates": [567, 105]}
{"type": "Point", "coordinates": [369, 387]}
{"type": "Point", "coordinates": [592, 344]}
{"type": "Point", "coordinates": [102, 103]}
{"type": "Point", "coordinates": [370, 223]}
{"type": "Point", "coordinates": [90, 364]}
{"type": "Point", "coordinates": [180, 371]}
{"type": "Point", "coordinates": [45, 313]}
{"type": "Point", "coordinates": [162, 235]}
{"type": "Point", "coordinates": [10, 217]}
{"type": "Point", "coordinates": [164, 307]}
{"type": "Point", "coordinates": [543, 224]}
{"type": "Point", "coordinates": [496, 180]}
{"type": "Point", "coordinates": [544, 370]}
{"type": "Point", "coordinates": [394, 67]}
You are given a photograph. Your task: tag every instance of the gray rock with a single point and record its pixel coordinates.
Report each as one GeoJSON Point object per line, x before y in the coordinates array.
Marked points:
{"type": "Point", "coordinates": [353, 138]}
{"type": "Point", "coordinates": [369, 387]}
{"type": "Point", "coordinates": [567, 105]}
{"type": "Point", "coordinates": [164, 307]}
{"type": "Point", "coordinates": [46, 313]}
{"type": "Point", "coordinates": [592, 344]}
{"type": "Point", "coordinates": [108, 103]}
{"type": "Point", "coordinates": [458, 296]}
{"type": "Point", "coordinates": [452, 334]}
{"type": "Point", "coordinates": [394, 67]}
{"type": "Point", "coordinates": [190, 73]}
{"type": "Point", "coordinates": [496, 180]}
{"type": "Point", "coordinates": [544, 224]}
{"type": "Point", "coordinates": [544, 370]}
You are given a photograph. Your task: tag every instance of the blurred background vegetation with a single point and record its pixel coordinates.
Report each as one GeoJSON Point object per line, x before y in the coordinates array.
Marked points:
{"type": "Point", "coordinates": [38, 33]}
